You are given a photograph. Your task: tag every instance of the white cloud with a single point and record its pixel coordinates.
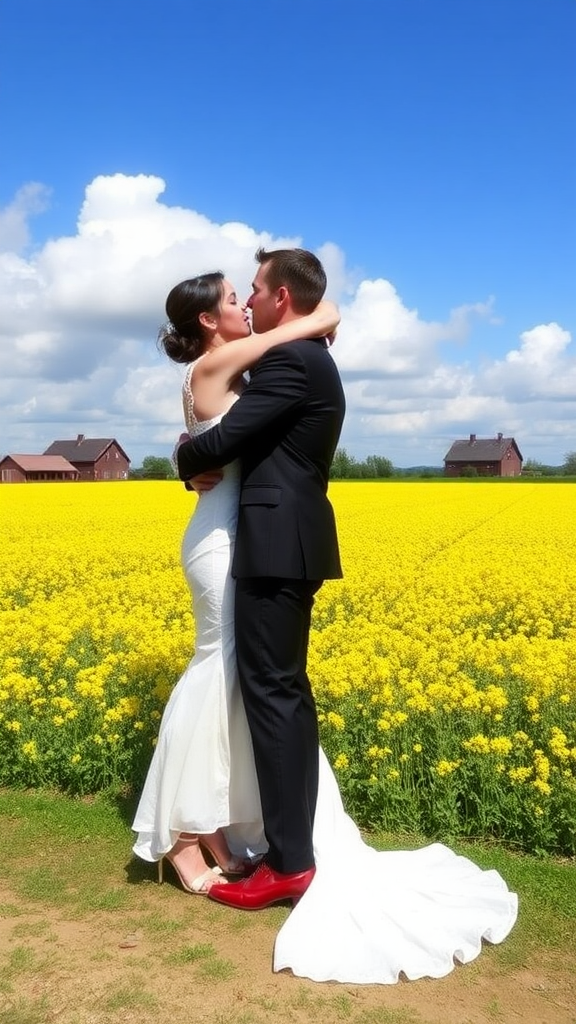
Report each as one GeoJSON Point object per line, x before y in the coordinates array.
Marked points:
{"type": "Point", "coordinates": [31, 199]}
{"type": "Point", "coordinates": [380, 335]}
{"type": "Point", "coordinates": [541, 368]}
{"type": "Point", "coordinates": [79, 318]}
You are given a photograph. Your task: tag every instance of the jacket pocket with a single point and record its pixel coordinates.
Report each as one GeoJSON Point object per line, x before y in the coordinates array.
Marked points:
{"type": "Point", "coordinates": [266, 494]}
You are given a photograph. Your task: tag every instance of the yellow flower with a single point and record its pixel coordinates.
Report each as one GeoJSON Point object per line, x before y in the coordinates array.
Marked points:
{"type": "Point", "coordinates": [375, 752]}
{"type": "Point", "coordinates": [559, 743]}
{"type": "Point", "coordinates": [501, 745]}
{"type": "Point", "coordinates": [341, 762]}
{"type": "Point", "coordinates": [542, 787]}
{"type": "Point", "coordinates": [478, 744]}
{"type": "Point", "coordinates": [446, 767]}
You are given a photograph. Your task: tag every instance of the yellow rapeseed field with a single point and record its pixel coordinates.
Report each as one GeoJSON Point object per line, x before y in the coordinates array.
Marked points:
{"type": "Point", "coordinates": [444, 664]}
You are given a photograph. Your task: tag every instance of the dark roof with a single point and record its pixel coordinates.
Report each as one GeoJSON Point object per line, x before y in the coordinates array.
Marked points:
{"type": "Point", "coordinates": [83, 449]}
{"type": "Point", "coordinates": [483, 449]}
{"type": "Point", "coordinates": [42, 463]}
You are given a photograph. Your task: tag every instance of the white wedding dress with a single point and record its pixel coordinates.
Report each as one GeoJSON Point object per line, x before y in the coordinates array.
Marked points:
{"type": "Point", "coordinates": [367, 917]}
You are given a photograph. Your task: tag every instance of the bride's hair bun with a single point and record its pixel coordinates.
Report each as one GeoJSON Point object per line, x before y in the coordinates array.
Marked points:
{"type": "Point", "coordinates": [182, 337]}
{"type": "Point", "coordinates": [176, 347]}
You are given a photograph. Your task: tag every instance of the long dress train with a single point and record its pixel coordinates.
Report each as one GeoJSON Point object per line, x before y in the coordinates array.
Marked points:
{"type": "Point", "coordinates": [367, 916]}
{"type": "Point", "coordinates": [370, 916]}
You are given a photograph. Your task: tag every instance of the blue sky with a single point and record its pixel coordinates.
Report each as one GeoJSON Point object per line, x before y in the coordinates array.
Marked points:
{"type": "Point", "coordinates": [425, 150]}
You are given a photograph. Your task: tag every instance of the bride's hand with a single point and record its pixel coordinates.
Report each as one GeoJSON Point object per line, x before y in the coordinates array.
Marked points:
{"type": "Point", "coordinates": [327, 317]}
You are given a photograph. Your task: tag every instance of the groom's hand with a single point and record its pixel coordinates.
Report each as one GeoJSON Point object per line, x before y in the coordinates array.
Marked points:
{"type": "Point", "coordinates": [174, 456]}
{"type": "Point", "coordinates": [204, 481]}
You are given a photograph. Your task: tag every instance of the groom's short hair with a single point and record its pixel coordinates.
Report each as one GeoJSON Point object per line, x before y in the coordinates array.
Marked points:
{"type": "Point", "coordinates": [297, 270]}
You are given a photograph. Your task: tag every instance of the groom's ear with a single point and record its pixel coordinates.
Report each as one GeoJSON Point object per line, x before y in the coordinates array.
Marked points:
{"type": "Point", "coordinates": [282, 298]}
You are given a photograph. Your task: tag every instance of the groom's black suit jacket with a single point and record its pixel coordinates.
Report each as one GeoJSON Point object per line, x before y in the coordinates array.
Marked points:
{"type": "Point", "coordinates": [284, 429]}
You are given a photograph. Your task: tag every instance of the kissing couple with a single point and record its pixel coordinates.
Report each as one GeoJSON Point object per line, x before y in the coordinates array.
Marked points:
{"type": "Point", "coordinates": [237, 778]}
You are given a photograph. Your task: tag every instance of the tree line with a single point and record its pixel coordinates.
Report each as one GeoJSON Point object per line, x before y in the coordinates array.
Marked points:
{"type": "Point", "coordinates": [344, 467]}
{"type": "Point", "coordinates": [374, 467]}
{"type": "Point", "coordinates": [534, 468]}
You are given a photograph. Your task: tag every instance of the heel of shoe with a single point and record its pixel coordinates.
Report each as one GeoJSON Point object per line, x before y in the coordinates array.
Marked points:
{"type": "Point", "coordinates": [232, 866]}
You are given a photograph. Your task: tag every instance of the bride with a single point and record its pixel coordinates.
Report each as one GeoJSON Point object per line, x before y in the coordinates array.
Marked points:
{"type": "Point", "coordinates": [367, 916]}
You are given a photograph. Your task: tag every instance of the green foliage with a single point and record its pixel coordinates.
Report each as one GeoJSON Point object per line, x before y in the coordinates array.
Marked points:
{"type": "Point", "coordinates": [569, 465]}
{"type": "Point", "coordinates": [533, 468]}
{"type": "Point", "coordinates": [346, 467]}
{"type": "Point", "coordinates": [154, 468]}
{"type": "Point", "coordinates": [445, 775]}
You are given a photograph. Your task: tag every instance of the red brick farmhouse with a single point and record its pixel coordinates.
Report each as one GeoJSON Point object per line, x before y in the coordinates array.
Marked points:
{"type": "Point", "coordinates": [95, 458]}
{"type": "Point", "coordinates": [497, 456]}
{"type": "Point", "coordinates": [25, 469]}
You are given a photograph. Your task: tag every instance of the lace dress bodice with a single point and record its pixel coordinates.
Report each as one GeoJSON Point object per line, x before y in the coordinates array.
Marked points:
{"type": "Point", "coordinates": [225, 495]}
{"type": "Point", "coordinates": [193, 425]}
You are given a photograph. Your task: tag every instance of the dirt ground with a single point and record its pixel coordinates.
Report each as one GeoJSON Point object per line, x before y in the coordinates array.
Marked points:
{"type": "Point", "coordinates": [163, 956]}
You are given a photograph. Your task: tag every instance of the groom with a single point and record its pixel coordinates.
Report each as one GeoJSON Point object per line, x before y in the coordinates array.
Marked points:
{"type": "Point", "coordinates": [284, 428]}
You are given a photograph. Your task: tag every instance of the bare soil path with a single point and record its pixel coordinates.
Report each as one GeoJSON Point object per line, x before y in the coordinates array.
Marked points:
{"type": "Point", "coordinates": [159, 955]}
{"type": "Point", "coordinates": [88, 937]}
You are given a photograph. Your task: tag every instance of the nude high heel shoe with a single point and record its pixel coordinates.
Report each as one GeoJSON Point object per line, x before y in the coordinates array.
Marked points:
{"type": "Point", "coordinates": [201, 885]}
{"type": "Point", "coordinates": [228, 865]}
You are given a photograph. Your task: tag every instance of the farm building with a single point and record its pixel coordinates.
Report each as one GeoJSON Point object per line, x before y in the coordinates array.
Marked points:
{"type": "Point", "coordinates": [95, 458]}
{"type": "Point", "coordinates": [496, 456]}
{"type": "Point", "coordinates": [25, 469]}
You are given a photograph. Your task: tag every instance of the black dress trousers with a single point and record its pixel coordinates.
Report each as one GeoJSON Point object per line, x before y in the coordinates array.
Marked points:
{"type": "Point", "coordinates": [272, 625]}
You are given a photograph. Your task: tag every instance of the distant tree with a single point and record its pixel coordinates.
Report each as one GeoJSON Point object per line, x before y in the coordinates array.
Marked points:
{"type": "Point", "coordinates": [343, 465]}
{"type": "Point", "coordinates": [156, 468]}
{"type": "Point", "coordinates": [346, 467]}
{"type": "Point", "coordinates": [469, 471]}
{"type": "Point", "coordinates": [379, 467]}
{"type": "Point", "coordinates": [531, 467]}
{"type": "Point", "coordinates": [569, 465]}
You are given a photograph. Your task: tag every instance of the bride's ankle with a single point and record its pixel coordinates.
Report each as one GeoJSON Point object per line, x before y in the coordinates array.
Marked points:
{"type": "Point", "coordinates": [186, 841]}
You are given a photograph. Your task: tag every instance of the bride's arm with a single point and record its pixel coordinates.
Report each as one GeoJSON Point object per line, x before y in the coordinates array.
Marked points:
{"type": "Point", "coordinates": [234, 357]}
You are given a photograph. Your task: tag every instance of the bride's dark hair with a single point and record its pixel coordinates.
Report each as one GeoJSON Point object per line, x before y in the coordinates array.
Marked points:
{"type": "Point", "coordinates": [182, 338]}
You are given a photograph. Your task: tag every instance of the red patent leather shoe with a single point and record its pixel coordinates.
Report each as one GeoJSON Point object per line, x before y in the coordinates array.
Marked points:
{"type": "Point", "coordinates": [262, 888]}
